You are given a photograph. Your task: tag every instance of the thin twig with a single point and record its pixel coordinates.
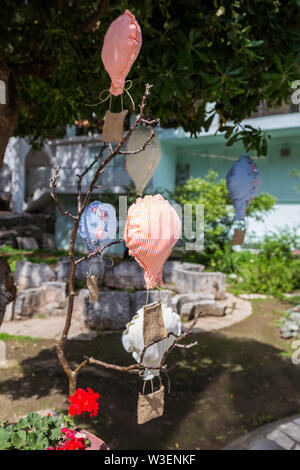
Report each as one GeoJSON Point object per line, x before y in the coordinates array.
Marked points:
{"type": "Point", "coordinates": [54, 195]}
{"type": "Point", "coordinates": [141, 149]}
{"type": "Point", "coordinates": [98, 251]}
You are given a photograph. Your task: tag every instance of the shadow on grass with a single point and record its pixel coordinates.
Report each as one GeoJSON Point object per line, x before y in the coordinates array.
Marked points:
{"type": "Point", "coordinates": [219, 389]}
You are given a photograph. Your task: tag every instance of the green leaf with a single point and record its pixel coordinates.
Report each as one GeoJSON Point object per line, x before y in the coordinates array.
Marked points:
{"type": "Point", "coordinates": [18, 439]}
{"type": "Point", "coordinates": [31, 438]}
{"type": "Point", "coordinates": [4, 439]}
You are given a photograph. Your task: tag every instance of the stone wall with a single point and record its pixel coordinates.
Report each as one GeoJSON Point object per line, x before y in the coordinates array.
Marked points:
{"type": "Point", "coordinates": [33, 226]}
{"type": "Point", "coordinates": [42, 291]}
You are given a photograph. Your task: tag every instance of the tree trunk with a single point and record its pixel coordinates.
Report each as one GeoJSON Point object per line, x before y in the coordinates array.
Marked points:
{"type": "Point", "coordinates": [7, 287]}
{"type": "Point", "coordinates": [8, 122]}
{"type": "Point", "coordinates": [9, 111]}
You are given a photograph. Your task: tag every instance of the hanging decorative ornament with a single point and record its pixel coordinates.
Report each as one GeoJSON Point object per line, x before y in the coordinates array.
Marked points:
{"type": "Point", "coordinates": [150, 406]}
{"type": "Point", "coordinates": [113, 126]}
{"type": "Point", "coordinates": [92, 285]}
{"type": "Point", "coordinates": [243, 181]}
{"type": "Point", "coordinates": [152, 229]}
{"type": "Point", "coordinates": [97, 227]}
{"type": "Point", "coordinates": [121, 46]}
{"type": "Point", "coordinates": [149, 349]}
{"type": "Point", "coordinates": [133, 339]}
{"type": "Point", "coordinates": [141, 166]}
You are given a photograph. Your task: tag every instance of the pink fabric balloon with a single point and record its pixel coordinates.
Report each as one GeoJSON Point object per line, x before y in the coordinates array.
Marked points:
{"type": "Point", "coordinates": [122, 44]}
{"type": "Point", "coordinates": [152, 229]}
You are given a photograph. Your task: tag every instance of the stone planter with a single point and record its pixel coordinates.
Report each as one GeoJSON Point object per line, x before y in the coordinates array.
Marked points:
{"type": "Point", "coordinates": [189, 280]}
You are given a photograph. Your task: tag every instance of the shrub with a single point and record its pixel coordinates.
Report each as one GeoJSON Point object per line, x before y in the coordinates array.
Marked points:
{"type": "Point", "coordinates": [218, 218]}
{"type": "Point", "coordinates": [276, 268]}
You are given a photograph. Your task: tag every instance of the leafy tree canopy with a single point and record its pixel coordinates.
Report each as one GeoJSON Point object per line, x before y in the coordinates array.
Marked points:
{"type": "Point", "coordinates": [234, 53]}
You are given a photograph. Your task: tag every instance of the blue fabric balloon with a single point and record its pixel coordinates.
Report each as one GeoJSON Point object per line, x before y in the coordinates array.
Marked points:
{"type": "Point", "coordinates": [98, 225]}
{"type": "Point", "coordinates": [243, 181]}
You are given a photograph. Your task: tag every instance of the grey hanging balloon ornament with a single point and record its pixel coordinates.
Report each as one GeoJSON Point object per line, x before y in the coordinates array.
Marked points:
{"type": "Point", "coordinates": [243, 181]}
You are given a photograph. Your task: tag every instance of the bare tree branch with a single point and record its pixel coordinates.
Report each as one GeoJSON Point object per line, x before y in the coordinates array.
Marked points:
{"type": "Point", "coordinates": [141, 149]}
{"type": "Point", "coordinates": [81, 206]}
{"type": "Point", "coordinates": [54, 195]}
{"type": "Point", "coordinates": [98, 251]}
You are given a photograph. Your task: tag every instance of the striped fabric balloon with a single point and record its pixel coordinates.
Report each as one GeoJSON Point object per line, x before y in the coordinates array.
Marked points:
{"type": "Point", "coordinates": [133, 339]}
{"type": "Point", "coordinates": [122, 44]}
{"type": "Point", "coordinates": [152, 229]}
{"type": "Point", "coordinates": [141, 166]}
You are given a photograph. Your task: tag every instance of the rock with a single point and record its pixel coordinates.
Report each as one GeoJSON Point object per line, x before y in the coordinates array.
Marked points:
{"type": "Point", "coordinates": [286, 334]}
{"type": "Point", "coordinates": [114, 308]}
{"type": "Point", "coordinates": [188, 280]}
{"type": "Point", "coordinates": [48, 241]}
{"type": "Point", "coordinates": [9, 312]}
{"type": "Point", "coordinates": [168, 271]}
{"type": "Point", "coordinates": [28, 275]}
{"type": "Point", "coordinates": [295, 316]}
{"type": "Point", "coordinates": [207, 307]}
{"type": "Point", "coordinates": [40, 300]}
{"type": "Point", "coordinates": [25, 225]}
{"type": "Point", "coordinates": [63, 269]}
{"type": "Point", "coordinates": [169, 275]}
{"type": "Point", "coordinates": [232, 276]}
{"type": "Point", "coordinates": [297, 308]}
{"type": "Point", "coordinates": [180, 299]}
{"type": "Point", "coordinates": [81, 304]}
{"type": "Point", "coordinates": [124, 275]}
{"type": "Point", "coordinates": [192, 267]}
{"type": "Point", "coordinates": [111, 312]}
{"type": "Point", "coordinates": [27, 243]}
{"type": "Point", "coordinates": [7, 287]}
{"type": "Point", "coordinates": [292, 326]}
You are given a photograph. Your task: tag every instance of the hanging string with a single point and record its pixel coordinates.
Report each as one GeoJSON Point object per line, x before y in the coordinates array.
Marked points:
{"type": "Point", "coordinates": [127, 91]}
{"type": "Point", "coordinates": [109, 97]}
{"type": "Point", "coordinates": [89, 273]}
{"type": "Point", "coordinates": [169, 382]}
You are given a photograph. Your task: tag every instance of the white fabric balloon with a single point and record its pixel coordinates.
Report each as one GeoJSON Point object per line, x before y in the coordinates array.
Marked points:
{"type": "Point", "coordinates": [141, 166]}
{"type": "Point", "coordinates": [133, 339]}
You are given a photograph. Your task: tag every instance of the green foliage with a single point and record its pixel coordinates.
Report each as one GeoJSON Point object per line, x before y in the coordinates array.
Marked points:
{"type": "Point", "coordinates": [8, 337]}
{"type": "Point", "coordinates": [275, 270]}
{"type": "Point", "coordinates": [33, 432]}
{"type": "Point", "coordinates": [235, 54]}
{"type": "Point", "coordinates": [218, 217]}
{"type": "Point", "coordinates": [35, 256]}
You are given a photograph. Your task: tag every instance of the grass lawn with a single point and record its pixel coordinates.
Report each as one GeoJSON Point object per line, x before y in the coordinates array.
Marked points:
{"type": "Point", "coordinates": [232, 382]}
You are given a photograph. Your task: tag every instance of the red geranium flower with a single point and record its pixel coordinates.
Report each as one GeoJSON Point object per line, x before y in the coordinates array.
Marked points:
{"type": "Point", "coordinates": [84, 401]}
{"type": "Point", "coordinates": [71, 441]}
